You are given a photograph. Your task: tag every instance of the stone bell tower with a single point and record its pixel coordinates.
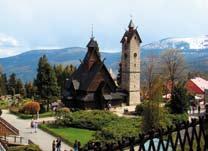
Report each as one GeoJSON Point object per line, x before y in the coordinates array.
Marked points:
{"type": "Point", "coordinates": [130, 64]}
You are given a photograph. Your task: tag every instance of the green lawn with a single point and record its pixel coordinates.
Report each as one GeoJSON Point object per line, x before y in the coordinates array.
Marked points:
{"type": "Point", "coordinates": [69, 135]}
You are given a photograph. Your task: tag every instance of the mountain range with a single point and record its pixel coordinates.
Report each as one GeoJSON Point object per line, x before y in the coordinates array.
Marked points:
{"type": "Point", "coordinates": [24, 65]}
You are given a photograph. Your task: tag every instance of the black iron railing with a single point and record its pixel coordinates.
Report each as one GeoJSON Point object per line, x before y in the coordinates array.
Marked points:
{"type": "Point", "coordinates": [186, 136]}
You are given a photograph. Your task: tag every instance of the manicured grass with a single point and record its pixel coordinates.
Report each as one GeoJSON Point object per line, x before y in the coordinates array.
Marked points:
{"type": "Point", "coordinates": [69, 135]}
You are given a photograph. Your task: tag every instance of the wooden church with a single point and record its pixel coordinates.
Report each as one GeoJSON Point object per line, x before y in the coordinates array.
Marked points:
{"type": "Point", "coordinates": [91, 85]}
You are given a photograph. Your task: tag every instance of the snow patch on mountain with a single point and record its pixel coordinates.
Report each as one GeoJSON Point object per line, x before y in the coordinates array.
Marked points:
{"type": "Point", "coordinates": [197, 43]}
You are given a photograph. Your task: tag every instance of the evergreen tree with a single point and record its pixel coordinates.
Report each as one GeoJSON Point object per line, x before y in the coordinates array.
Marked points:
{"type": "Point", "coordinates": [67, 72]}
{"type": "Point", "coordinates": [180, 99]}
{"type": "Point", "coordinates": [59, 74]}
{"type": "Point", "coordinates": [12, 84]}
{"type": "Point", "coordinates": [62, 74]}
{"type": "Point", "coordinates": [46, 82]}
{"type": "Point", "coordinates": [4, 76]}
{"type": "Point", "coordinates": [19, 88]}
{"type": "Point", "coordinates": [30, 90]}
{"type": "Point", "coordinates": [3, 84]}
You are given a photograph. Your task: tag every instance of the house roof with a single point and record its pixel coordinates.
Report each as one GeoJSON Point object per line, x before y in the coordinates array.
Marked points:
{"type": "Point", "coordinates": [201, 83]}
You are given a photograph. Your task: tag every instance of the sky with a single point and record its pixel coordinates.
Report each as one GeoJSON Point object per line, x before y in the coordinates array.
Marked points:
{"type": "Point", "coordinates": [44, 24]}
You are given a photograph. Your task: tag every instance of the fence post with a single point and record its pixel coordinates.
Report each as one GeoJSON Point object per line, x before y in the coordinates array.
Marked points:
{"type": "Point", "coordinates": [131, 142]}
{"type": "Point", "coordinates": [120, 145]}
{"type": "Point", "coordinates": [21, 140]}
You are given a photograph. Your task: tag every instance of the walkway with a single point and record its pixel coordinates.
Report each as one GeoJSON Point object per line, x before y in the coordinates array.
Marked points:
{"type": "Point", "coordinates": [41, 138]}
{"type": "Point", "coordinates": [195, 114]}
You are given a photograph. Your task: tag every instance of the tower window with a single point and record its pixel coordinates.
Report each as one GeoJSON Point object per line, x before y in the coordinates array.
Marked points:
{"type": "Point", "coordinates": [135, 55]}
{"type": "Point", "coordinates": [125, 56]}
{"type": "Point", "coordinates": [135, 37]}
{"type": "Point", "coordinates": [134, 65]}
{"type": "Point", "coordinates": [125, 46]}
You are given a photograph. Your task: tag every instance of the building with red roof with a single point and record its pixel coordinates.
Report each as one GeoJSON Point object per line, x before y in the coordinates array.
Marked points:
{"type": "Point", "coordinates": [197, 87]}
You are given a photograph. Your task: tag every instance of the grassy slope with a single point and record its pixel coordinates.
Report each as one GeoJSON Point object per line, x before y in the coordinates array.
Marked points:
{"type": "Point", "coordinates": [69, 135]}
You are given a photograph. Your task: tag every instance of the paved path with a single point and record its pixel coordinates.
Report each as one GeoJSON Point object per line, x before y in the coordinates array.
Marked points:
{"type": "Point", "coordinates": [41, 138]}
{"type": "Point", "coordinates": [195, 114]}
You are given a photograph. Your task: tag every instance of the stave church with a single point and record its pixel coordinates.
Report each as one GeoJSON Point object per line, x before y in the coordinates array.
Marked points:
{"type": "Point", "coordinates": [91, 85]}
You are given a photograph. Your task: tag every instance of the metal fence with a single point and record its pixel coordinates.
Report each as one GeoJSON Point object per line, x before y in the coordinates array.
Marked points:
{"type": "Point", "coordinates": [186, 136]}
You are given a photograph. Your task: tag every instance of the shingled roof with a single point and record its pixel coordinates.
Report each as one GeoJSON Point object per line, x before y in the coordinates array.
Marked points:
{"type": "Point", "coordinates": [92, 47]}
{"type": "Point", "coordinates": [82, 78]}
{"type": "Point", "coordinates": [92, 43]}
{"type": "Point", "coordinates": [130, 33]}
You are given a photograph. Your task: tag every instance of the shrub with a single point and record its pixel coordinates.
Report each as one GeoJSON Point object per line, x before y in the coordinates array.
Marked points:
{"type": "Point", "coordinates": [31, 107]}
{"type": "Point", "coordinates": [93, 120]}
{"type": "Point", "coordinates": [109, 126]}
{"type": "Point", "coordinates": [177, 118]}
{"type": "Point", "coordinates": [179, 103]}
{"type": "Point", "coordinates": [122, 127]}
{"type": "Point", "coordinates": [13, 109]}
{"type": "Point", "coordinates": [62, 116]}
{"type": "Point", "coordinates": [140, 108]}
{"type": "Point", "coordinates": [42, 108]}
{"type": "Point", "coordinates": [4, 104]}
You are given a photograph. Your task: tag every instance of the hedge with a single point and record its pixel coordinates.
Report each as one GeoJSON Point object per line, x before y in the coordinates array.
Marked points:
{"type": "Point", "coordinates": [108, 126]}
{"type": "Point", "coordinates": [31, 147]}
{"type": "Point", "coordinates": [15, 110]}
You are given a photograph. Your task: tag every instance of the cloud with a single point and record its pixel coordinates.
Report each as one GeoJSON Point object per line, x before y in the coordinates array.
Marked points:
{"type": "Point", "coordinates": [9, 46]}
{"type": "Point", "coordinates": [67, 23]}
{"type": "Point", "coordinates": [8, 41]}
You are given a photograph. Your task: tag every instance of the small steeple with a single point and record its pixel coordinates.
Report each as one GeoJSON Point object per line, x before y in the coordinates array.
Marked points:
{"type": "Point", "coordinates": [92, 36]}
{"type": "Point", "coordinates": [92, 42]}
{"type": "Point", "coordinates": [131, 25]}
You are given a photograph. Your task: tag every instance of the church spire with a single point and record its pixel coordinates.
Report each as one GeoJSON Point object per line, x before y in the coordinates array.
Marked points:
{"type": "Point", "coordinates": [131, 24]}
{"type": "Point", "coordinates": [92, 43]}
{"type": "Point", "coordinates": [92, 36]}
